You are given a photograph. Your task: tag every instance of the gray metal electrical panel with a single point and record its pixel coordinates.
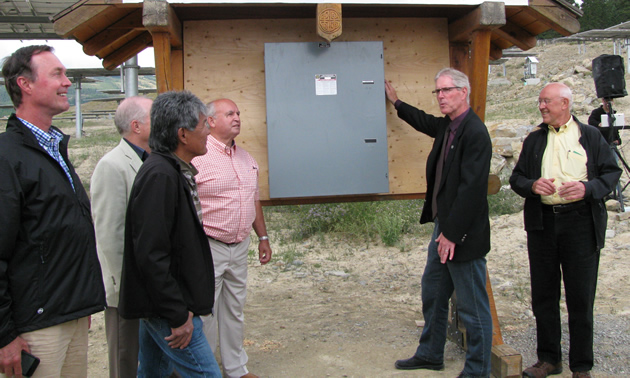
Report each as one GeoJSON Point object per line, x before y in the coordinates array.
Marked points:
{"type": "Point", "coordinates": [326, 128]}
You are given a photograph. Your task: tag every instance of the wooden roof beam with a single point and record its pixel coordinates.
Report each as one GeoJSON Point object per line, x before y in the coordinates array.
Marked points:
{"type": "Point", "coordinates": [516, 36]}
{"type": "Point", "coordinates": [159, 17]}
{"type": "Point", "coordinates": [487, 16]}
{"type": "Point", "coordinates": [123, 27]}
{"type": "Point", "coordinates": [66, 24]}
{"type": "Point", "coordinates": [554, 17]}
{"type": "Point", "coordinates": [496, 52]}
{"type": "Point", "coordinates": [127, 51]}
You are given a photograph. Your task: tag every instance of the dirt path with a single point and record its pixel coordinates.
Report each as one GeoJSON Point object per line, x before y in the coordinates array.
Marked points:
{"type": "Point", "coordinates": [350, 311]}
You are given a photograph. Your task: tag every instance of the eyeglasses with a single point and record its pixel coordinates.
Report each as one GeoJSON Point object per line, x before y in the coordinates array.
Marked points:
{"type": "Point", "coordinates": [444, 90]}
{"type": "Point", "coordinates": [545, 101]}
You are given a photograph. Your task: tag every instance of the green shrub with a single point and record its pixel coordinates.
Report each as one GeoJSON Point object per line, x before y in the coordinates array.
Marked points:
{"type": "Point", "coordinates": [387, 221]}
{"type": "Point", "coordinates": [505, 202]}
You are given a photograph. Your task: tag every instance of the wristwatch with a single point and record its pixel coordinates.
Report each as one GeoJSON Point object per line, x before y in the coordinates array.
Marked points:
{"type": "Point", "coordinates": [263, 238]}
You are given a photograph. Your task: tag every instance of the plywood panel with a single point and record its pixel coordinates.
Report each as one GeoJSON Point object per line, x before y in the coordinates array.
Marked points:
{"type": "Point", "coordinates": [224, 58]}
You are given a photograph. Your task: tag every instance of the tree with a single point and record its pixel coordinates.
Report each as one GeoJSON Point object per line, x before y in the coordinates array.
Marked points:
{"type": "Point", "coordinates": [602, 14]}
{"type": "Point", "coordinates": [622, 11]}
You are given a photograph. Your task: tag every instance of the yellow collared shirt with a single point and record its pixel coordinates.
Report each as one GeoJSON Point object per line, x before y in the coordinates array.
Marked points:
{"type": "Point", "coordinates": [564, 159]}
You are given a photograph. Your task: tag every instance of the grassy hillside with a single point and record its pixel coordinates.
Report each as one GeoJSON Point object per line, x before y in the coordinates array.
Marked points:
{"type": "Point", "coordinates": [89, 91]}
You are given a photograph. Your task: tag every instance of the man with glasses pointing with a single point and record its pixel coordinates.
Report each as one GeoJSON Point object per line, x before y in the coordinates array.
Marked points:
{"type": "Point", "coordinates": [457, 183]}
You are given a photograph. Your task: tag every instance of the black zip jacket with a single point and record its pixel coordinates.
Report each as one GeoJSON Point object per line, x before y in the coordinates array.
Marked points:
{"type": "Point", "coordinates": [167, 264]}
{"type": "Point", "coordinates": [602, 171]}
{"type": "Point", "coordinates": [49, 270]}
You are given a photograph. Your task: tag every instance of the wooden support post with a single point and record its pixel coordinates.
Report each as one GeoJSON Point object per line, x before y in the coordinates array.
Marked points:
{"type": "Point", "coordinates": [506, 362]}
{"type": "Point", "coordinates": [478, 68]}
{"type": "Point", "coordinates": [457, 330]}
{"type": "Point", "coordinates": [497, 337]}
{"type": "Point", "coordinates": [162, 51]}
{"type": "Point", "coordinates": [177, 69]}
{"type": "Point", "coordinates": [161, 21]}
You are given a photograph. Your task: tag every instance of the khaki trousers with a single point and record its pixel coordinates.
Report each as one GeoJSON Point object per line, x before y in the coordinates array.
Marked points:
{"type": "Point", "coordinates": [61, 349]}
{"type": "Point", "coordinates": [230, 291]}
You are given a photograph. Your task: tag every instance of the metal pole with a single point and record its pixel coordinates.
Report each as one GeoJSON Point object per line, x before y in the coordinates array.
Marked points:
{"type": "Point", "coordinates": [77, 107]}
{"type": "Point", "coordinates": [131, 77]}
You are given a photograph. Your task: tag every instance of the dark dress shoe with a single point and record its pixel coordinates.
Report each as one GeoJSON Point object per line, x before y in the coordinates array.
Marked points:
{"type": "Point", "coordinates": [581, 374]}
{"type": "Point", "coordinates": [417, 363]}
{"type": "Point", "coordinates": [542, 369]}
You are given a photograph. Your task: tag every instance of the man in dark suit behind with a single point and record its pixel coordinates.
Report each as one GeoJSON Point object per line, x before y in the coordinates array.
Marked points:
{"type": "Point", "coordinates": [457, 183]}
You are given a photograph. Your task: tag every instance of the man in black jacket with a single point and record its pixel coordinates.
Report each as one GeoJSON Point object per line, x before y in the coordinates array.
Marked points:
{"type": "Point", "coordinates": [50, 277]}
{"type": "Point", "coordinates": [457, 184]}
{"type": "Point", "coordinates": [168, 273]}
{"type": "Point", "coordinates": [564, 171]}
{"type": "Point", "coordinates": [595, 119]}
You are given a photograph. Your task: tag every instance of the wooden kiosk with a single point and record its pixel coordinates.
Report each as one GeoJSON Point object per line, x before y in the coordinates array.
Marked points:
{"type": "Point", "coordinates": [216, 49]}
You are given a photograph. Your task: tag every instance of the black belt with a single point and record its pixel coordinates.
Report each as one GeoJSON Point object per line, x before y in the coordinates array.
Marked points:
{"type": "Point", "coordinates": [210, 237]}
{"type": "Point", "coordinates": [559, 209]}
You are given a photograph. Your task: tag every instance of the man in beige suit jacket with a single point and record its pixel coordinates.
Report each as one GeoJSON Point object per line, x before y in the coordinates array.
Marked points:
{"type": "Point", "coordinates": [110, 187]}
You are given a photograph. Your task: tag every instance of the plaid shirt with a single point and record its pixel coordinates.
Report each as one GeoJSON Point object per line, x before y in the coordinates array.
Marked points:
{"type": "Point", "coordinates": [189, 171]}
{"type": "Point", "coordinates": [228, 188]}
{"type": "Point", "coordinates": [50, 142]}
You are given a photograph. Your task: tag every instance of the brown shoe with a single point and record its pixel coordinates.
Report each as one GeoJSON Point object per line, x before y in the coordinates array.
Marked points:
{"type": "Point", "coordinates": [249, 375]}
{"type": "Point", "coordinates": [582, 374]}
{"type": "Point", "coordinates": [542, 369]}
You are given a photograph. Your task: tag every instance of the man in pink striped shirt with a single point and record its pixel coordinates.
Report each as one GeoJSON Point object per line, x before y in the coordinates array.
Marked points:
{"type": "Point", "coordinates": [228, 189]}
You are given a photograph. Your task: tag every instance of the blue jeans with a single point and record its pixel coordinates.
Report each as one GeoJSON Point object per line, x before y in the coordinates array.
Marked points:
{"type": "Point", "coordinates": [468, 279]}
{"type": "Point", "coordinates": [157, 359]}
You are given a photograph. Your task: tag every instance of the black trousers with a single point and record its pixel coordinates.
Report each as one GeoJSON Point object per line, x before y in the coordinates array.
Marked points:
{"type": "Point", "coordinates": [565, 249]}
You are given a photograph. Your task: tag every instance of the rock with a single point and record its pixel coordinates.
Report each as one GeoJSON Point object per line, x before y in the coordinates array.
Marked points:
{"type": "Point", "coordinates": [506, 146]}
{"type": "Point", "coordinates": [505, 131]}
{"type": "Point", "coordinates": [588, 63]}
{"type": "Point", "coordinates": [503, 146]}
{"type": "Point", "coordinates": [568, 81]}
{"type": "Point", "coordinates": [578, 97]}
{"type": "Point", "coordinates": [588, 100]}
{"type": "Point", "coordinates": [581, 70]}
{"type": "Point", "coordinates": [557, 77]}
{"type": "Point", "coordinates": [497, 163]}
{"type": "Point", "coordinates": [500, 81]}
{"type": "Point", "coordinates": [620, 216]}
{"type": "Point", "coordinates": [337, 273]}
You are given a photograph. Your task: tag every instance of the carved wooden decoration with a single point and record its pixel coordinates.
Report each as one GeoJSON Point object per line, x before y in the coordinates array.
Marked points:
{"type": "Point", "coordinates": [329, 21]}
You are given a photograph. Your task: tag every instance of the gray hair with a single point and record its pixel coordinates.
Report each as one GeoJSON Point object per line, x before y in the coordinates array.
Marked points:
{"type": "Point", "coordinates": [128, 111]}
{"type": "Point", "coordinates": [170, 112]}
{"type": "Point", "coordinates": [212, 110]}
{"type": "Point", "coordinates": [459, 79]}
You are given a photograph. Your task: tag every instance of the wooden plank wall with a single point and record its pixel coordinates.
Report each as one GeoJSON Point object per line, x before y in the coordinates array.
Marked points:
{"type": "Point", "coordinates": [225, 58]}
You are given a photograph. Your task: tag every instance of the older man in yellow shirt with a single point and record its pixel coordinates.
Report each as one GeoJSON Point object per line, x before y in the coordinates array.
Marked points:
{"type": "Point", "coordinates": [564, 171]}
